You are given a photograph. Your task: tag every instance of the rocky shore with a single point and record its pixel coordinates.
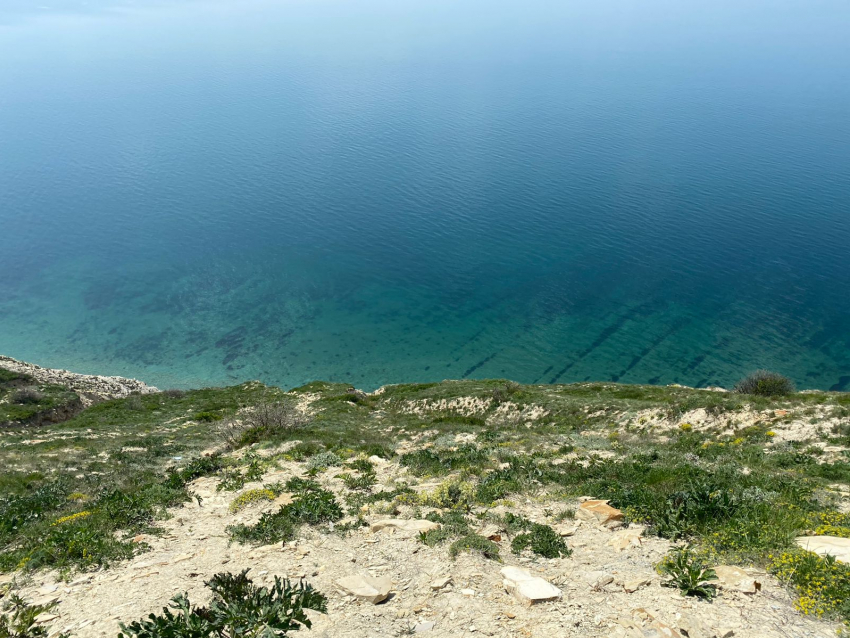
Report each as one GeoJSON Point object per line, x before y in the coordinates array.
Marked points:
{"type": "Point", "coordinates": [91, 388]}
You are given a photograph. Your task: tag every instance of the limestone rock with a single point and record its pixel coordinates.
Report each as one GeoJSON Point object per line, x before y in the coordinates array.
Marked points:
{"type": "Point", "coordinates": [405, 525]}
{"type": "Point", "coordinates": [632, 585]}
{"type": "Point", "coordinates": [567, 530]}
{"type": "Point", "coordinates": [526, 588]}
{"type": "Point", "coordinates": [425, 625]}
{"type": "Point", "coordinates": [823, 545]}
{"type": "Point", "coordinates": [625, 538]}
{"type": "Point", "coordinates": [731, 577]}
{"type": "Point", "coordinates": [599, 512]}
{"type": "Point", "coordinates": [597, 579]}
{"type": "Point", "coordinates": [366, 587]}
{"type": "Point", "coordinates": [440, 583]}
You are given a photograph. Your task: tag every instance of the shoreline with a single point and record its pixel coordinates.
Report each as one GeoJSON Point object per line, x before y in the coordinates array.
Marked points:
{"type": "Point", "coordinates": [90, 387]}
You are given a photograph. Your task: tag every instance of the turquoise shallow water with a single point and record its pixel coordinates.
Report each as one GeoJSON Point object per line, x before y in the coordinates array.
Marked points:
{"type": "Point", "coordinates": [378, 191]}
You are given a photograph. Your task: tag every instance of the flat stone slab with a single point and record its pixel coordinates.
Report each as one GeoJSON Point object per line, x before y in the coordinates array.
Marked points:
{"type": "Point", "coordinates": [732, 577]}
{"type": "Point", "coordinates": [366, 587]}
{"type": "Point", "coordinates": [827, 545]}
{"type": "Point", "coordinates": [599, 512]}
{"type": "Point", "coordinates": [528, 589]}
{"type": "Point", "coordinates": [413, 526]}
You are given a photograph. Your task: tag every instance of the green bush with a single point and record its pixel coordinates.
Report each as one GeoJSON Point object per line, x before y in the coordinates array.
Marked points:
{"type": "Point", "coordinates": [207, 417]}
{"type": "Point", "coordinates": [542, 540]}
{"type": "Point", "coordinates": [822, 584]}
{"type": "Point", "coordinates": [323, 460]}
{"type": "Point", "coordinates": [238, 608]}
{"type": "Point", "coordinates": [475, 543]}
{"type": "Point", "coordinates": [452, 524]}
{"type": "Point", "coordinates": [311, 508]}
{"type": "Point", "coordinates": [765, 384]}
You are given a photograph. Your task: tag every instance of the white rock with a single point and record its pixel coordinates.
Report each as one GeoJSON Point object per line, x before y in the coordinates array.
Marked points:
{"type": "Point", "coordinates": [440, 583]}
{"type": "Point", "coordinates": [567, 530]}
{"type": "Point", "coordinates": [823, 545]}
{"type": "Point", "coordinates": [631, 586]}
{"type": "Point", "coordinates": [469, 593]}
{"type": "Point", "coordinates": [366, 587]}
{"type": "Point", "coordinates": [425, 625]}
{"type": "Point", "coordinates": [526, 588]}
{"type": "Point", "coordinates": [405, 525]}
{"type": "Point", "coordinates": [625, 538]}
{"type": "Point", "coordinates": [731, 577]}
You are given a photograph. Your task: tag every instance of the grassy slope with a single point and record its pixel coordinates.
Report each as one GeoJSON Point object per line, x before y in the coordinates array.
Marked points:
{"type": "Point", "coordinates": [47, 398]}
{"type": "Point", "coordinates": [729, 487]}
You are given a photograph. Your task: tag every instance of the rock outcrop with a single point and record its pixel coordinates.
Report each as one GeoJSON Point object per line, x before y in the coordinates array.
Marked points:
{"type": "Point", "coordinates": [91, 388]}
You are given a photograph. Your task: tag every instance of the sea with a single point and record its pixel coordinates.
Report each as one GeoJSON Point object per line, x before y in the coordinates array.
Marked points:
{"type": "Point", "coordinates": [204, 192]}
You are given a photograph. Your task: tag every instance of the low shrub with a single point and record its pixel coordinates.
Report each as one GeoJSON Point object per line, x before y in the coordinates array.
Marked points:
{"type": "Point", "coordinates": [688, 573]}
{"type": "Point", "coordinates": [452, 525]}
{"type": "Point", "coordinates": [238, 608]}
{"type": "Point", "coordinates": [26, 396]}
{"type": "Point", "coordinates": [475, 543]}
{"type": "Point", "coordinates": [542, 540]}
{"type": "Point", "coordinates": [364, 482]}
{"type": "Point", "coordinates": [312, 507]}
{"type": "Point", "coordinates": [323, 460]}
{"type": "Point", "coordinates": [207, 417]}
{"type": "Point", "coordinates": [822, 584]}
{"type": "Point", "coordinates": [17, 619]}
{"type": "Point", "coordinates": [267, 419]}
{"type": "Point", "coordinates": [765, 384]}
{"type": "Point", "coordinates": [250, 497]}
{"type": "Point", "coordinates": [451, 494]}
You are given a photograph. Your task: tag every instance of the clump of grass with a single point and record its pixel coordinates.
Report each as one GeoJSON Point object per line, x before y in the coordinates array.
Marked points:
{"type": "Point", "coordinates": [362, 482]}
{"type": "Point", "coordinates": [238, 608]}
{"type": "Point", "coordinates": [452, 525]}
{"type": "Point", "coordinates": [688, 573]}
{"type": "Point", "coordinates": [207, 417]}
{"type": "Point", "coordinates": [322, 461]}
{"type": "Point", "coordinates": [362, 465]}
{"type": "Point", "coordinates": [428, 462]}
{"type": "Point", "coordinates": [765, 384]}
{"type": "Point", "coordinates": [542, 540]}
{"type": "Point", "coordinates": [313, 506]}
{"type": "Point", "coordinates": [475, 543]}
{"type": "Point", "coordinates": [250, 497]}
{"type": "Point", "coordinates": [233, 478]}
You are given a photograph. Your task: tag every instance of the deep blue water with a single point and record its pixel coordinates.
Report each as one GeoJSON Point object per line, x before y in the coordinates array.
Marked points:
{"type": "Point", "coordinates": [376, 191]}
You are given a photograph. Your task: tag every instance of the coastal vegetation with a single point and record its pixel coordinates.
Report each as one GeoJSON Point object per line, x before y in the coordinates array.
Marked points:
{"type": "Point", "coordinates": [725, 477]}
